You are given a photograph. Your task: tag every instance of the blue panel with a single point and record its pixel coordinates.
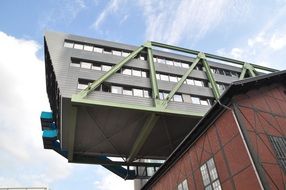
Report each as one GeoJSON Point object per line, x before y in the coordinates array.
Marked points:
{"type": "Point", "coordinates": [47, 115]}
{"type": "Point", "coordinates": [50, 133]}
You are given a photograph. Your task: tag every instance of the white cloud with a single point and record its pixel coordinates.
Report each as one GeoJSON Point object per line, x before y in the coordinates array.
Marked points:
{"type": "Point", "coordinates": [22, 98]}
{"type": "Point", "coordinates": [267, 46]}
{"type": "Point", "coordinates": [175, 21]}
{"type": "Point", "coordinates": [64, 11]}
{"type": "Point", "coordinates": [112, 7]}
{"type": "Point", "coordinates": [111, 181]}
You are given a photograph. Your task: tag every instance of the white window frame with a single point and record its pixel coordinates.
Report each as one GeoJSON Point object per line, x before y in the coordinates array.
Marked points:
{"type": "Point", "coordinates": [210, 176]}
{"type": "Point", "coordinates": [88, 47]}
{"type": "Point", "coordinates": [78, 46]}
{"type": "Point", "coordinates": [68, 44]}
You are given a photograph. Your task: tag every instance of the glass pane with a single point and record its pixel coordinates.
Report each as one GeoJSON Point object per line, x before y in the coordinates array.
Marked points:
{"type": "Point", "coordinates": [143, 73]}
{"type": "Point", "coordinates": [138, 92]}
{"type": "Point", "coordinates": [107, 51]}
{"type": "Point", "coordinates": [190, 81]}
{"type": "Point", "coordinates": [178, 98]}
{"type": "Point", "coordinates": [161, 61]}
{"type": "Point", "coordinates": [88, 47]}
{"type": "Point", "coordinates": [187, 98]}
{"type": "Point", "coordinates": [82, 86]}
{"type": "Point", "coordinates": [97, 49]}
{"type": "Point", "coordinates": [158, 76]}
{"type": "Point", "coordinates": [198, 83]}
{"type": "Point", "coordinates": [74, 64]}
{"type": "Point", "coordinates": [142, 58]}
{"type": "Point", "coordinates": [205, 175]}
{"type": "Point", "coordinates": [126, 71]}
{"type": "Point", "coordinates": [173, 79]}
{"type": "Point", "coordinates": [127, 92]}
{"type": "Point", "coordinates": [169, 62]}
{"type": "Point", "coordinates": [85, 65]}
{"type": "Point", "coordinates": [209, 187]}
{"type": "Point", "coordinates": [78, 46]}
{"type": "Point", "coordinates": [95, 67]}
{"type": "Point", "coordinates": [68, 44]}
{"type": "Point", "coordinates": [164, 77]}
{"type": "Point", "coordinates": [185, 185]}
{"type": "Point", "coordinates": [154, 59]}
{"type": "Point", "coordinates": [185, 65]}
{"type": "Point", "coordinates": [204, 102]}
{"type": "Point", "coordinates": [195, 100]}
{"type": "Point", "coordinates": [125, 54]}
{"type": "Point", "coordinates": [161, 96]}
{"type": "Point", "coordinates": [178, 64]}
{"type": "Point", "coordinates": [118, 53]}
{"type": "Point", "coordinates": [212, 169]}
{"type": "Point", "coordinates": [180, 187]}
{"type": "Point", "coordinates": [116, 89]}
{"type": "Point", "coordinates": [165, 95]}
{"type": "Point", "coordinates": [105, 67]}
{"type": "Point", "coordinates": [216, 185]}
{"type": "Point", "coordinates": [136, 73]}
{"type": "Point", "coordinates": [146, 93]}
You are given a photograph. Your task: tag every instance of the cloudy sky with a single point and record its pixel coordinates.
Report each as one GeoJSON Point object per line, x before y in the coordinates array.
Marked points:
{"type": "Point", "coordinates": [253, 31]}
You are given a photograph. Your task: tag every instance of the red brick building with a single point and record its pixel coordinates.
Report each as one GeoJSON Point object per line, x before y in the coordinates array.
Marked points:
{"type": "Point", "coordinates": [239, 144]}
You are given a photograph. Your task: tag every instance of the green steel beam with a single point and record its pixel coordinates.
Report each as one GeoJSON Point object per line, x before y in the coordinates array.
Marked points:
{"type": "Point", "coordinates": [84, 101]}
{"type": "Point", "coordinates": [242, 74]}
{"type": "Point", "coordinates": [208, 55]}
{"type": "Point", "coordinates": [72, 126]}
{"type": "Point", "coordinates": [210, 76]}
{"type": "Point", "coordinates": [143, 135]}
{"type": "Point", "coordinates": [109, 73]}
{"type": "Point", "coordinates": [154, 84]}
{"type": "Point", "coordinates": [179, 84]}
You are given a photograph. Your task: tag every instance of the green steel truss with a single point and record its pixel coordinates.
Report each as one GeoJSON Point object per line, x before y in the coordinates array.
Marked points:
{"type": "Point", "coordinates": [160, 106]}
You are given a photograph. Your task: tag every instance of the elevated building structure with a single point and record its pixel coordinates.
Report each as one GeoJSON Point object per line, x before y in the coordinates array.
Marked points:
{"type": "Point", "coordinates": [115, 104]}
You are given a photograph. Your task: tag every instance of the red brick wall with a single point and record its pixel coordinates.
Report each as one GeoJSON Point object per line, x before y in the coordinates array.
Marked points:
{"type": "Point", "coordinates": [223, 143]}
{"type": "Point", "coordinates": [263, 113]}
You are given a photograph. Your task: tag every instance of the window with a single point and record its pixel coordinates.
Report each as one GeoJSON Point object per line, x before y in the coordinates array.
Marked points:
{"type": "Point", "coordinates": [81, 86]}
{"type": "Point", "coordinates": [183, 185]}
{"type": "Point", "coordinates": [185, 65]}
{"type": "Point", "coordinates": [125, 54]}
{"type": "Point", "coordinates": [115, 52]}
{"type": "Point", "coordinates": [198, 83]}
{"type": "Point", "coordinates": [88, 47]}
{"type": "Point", "coordinates": [146, 93]}
{"type": "Point", "coordinates": [143, 74]}
{"type": "Point", "coordinates": [173, 79]}
{"type": "Point", "coordinates": [210, 176]}
{"type": "Point", "coordinates": [85, 65]}
{"type": "Point", "coordinates": [107, 51]}
{"type": "Point", "coordinates": [279, 145]}
{"type": "Point", "coordinates": [169, 62]}
{"type": "Point", "coordinates": [105, 67]}
{"type": "Point", "coordinates": [158, 76]}
{"type": "Point", "coordinates": [204, 102]}
{"type": "Point", "coordinates": [96, 67]}
{"type": "Point", "coordinates": [138, 92]}
{"type": "Point", "coordinates": [195, 100]}
{"type": "Point", "coordinates": [127, 92]}
{"type": "Point", "coordinates": [74, 64]}
{"type": "Point", "coordinates": [78, 46]}
{"type": "Point", "coordinates": [178, 64]}
{"type": "Point", "coordinates": [97, 49]}
{"type": "Point", "coordinates": [178, 98]}
{"type": "Point", "coordinates": [164, 77]}
{"type": "Point", "coordinates": [116, 89]}
{"type": "Point", "coordinates": [190, 82]}
{"type": "Point", "coordinates": [126, 71]}
{"type": "Point", "coordinates": [68, 44]}
{"type": "Point", "coordinates": [136, 73]}
{"type": "Point", "coordinates": [161, 61]}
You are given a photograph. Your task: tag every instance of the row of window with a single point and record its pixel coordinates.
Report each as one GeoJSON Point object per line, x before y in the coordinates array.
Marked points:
{"type": "Point", "coordinates": [173, 78]}
{"type": "Point", "coordinates": [82, 84]}
{"type": "Point", "coordinates": [209, 176]}
{"type": "Point", "coordinates": [161, 60]}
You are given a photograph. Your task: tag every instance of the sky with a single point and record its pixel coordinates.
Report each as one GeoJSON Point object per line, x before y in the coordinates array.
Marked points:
{"type": "Point", "coordinates": [252, 31]}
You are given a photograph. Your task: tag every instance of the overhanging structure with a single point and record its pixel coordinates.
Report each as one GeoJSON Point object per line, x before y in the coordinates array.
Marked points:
{"type": "Point", "coordinates": [116, 100]}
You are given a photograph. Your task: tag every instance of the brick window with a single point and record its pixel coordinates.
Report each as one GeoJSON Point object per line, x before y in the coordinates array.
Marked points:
{"type": "Point", "coordinates": [210, 176]}
{"type": "Point", "coordinates": [183, 185]}
{"type": "Point", "coordinates": [279, 145]}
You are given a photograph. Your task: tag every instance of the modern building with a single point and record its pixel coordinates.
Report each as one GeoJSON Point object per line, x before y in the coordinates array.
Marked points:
{"type": "Point", "coordinates": [127, 107]}
{"type": "Point", "coordinates": [239, 144]}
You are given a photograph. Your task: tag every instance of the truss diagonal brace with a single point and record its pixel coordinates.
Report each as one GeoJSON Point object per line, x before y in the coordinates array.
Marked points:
{"type": "Point", "coordinates": [143, 135]}
{"type": "Point", "coordinates": [113, 70]}
{"type": "Point", "coordinates": [247, 67]}
{"type": "Point", "coordinates": [210, 76]}
{"type": "Point", "coordinates": [179, 84]}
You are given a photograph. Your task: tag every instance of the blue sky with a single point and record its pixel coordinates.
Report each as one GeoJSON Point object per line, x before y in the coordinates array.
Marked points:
{"type": "Point", "coordinates": [253, 31]}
